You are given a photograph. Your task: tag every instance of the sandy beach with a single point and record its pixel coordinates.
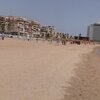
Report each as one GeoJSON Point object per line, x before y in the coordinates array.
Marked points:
{"type": "Point", "coordinates": [38, 71]}
{"type": "Point", "coordinates": [85, 84]}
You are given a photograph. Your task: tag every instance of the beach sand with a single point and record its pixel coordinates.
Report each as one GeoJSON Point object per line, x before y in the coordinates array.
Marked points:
{"type": "Point", "coordinates": [38, 71]}
{"type": "Point", "coordinates": [85, 84]}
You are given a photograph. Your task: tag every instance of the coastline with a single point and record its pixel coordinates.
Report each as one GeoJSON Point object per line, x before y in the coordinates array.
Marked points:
{"type": "Point", "coordinates": [85, 85]}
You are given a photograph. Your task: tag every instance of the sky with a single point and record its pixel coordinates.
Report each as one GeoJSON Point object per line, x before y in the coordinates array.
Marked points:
{"type": "Point", "coordinates": [68, 16]}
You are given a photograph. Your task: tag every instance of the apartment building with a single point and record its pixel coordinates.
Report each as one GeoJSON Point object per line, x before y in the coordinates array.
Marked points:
{"type": "Point", "coordinates": [47, 30]}
{"type": "Point", "coordinates": [2, 24]}
{"type": "Point", "coordinates": [35, 28]}
{"type": "Point", "coordinates": [18, 25]}
{"type": "Point", "coordinates": [93, 32]}
{"type": "Point", "coordinates": [21, 26]}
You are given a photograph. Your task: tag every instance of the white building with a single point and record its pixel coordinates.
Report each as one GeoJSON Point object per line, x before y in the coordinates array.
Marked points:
{"type": "Point", "coordinates": [93, 32]}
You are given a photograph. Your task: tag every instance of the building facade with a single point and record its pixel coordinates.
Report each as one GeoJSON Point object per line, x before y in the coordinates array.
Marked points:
{"type": "Point", "coordinates": [18, 26]}
{"type": "Point", "coordinates": [93, 32]}
{"type": "Point", "coordinates": [21, 26]}
{"type": "Point", "coordinates": [47, 30]}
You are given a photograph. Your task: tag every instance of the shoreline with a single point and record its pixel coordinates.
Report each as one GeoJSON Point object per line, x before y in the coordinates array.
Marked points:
{"type": "Point", "coordinates": [85, 85]}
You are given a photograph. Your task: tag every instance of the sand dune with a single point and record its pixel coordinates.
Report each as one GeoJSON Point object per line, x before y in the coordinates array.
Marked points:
{"type": "Point", "coordinates": [36, 71]}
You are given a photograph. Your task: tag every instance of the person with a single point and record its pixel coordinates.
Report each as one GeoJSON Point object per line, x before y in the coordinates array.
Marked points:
{"type": "Point", "coordinates": [3, 36]}
{"type": "Point", "coordinates": [37, 38]}
{"type": "Point", "coordinates": [58, 39]}
{"type": "Point", "coordinates": [28, 37]}
{"type": "Point", "coordinates": [63, 40]}
{"type": "Point", "coordinates": [50, 39]}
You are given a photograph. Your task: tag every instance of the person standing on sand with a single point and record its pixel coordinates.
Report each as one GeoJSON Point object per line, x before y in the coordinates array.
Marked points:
{"type": "Point", "coordinates": [3, 36]}
{"type": "Point", "coordinates": [51, 39]}
{"type": "Point", "coordinates": [63, 40]}
{"type": "Point", "coordinates": [58, 39]}
{"type": "Point", "coordinates": [28, 37]}
{"type": "Point", "coordinates": [24, 37]}
{"type": "Point", "coordinates": [37, 38]}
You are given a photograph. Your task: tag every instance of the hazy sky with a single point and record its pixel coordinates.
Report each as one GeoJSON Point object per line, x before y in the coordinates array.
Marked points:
{"type": "Point", "coordinates": [70, 16]}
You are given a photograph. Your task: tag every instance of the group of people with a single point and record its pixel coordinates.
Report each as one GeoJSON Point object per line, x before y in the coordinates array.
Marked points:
{"type": "Point", "coordinates": [63, 39]}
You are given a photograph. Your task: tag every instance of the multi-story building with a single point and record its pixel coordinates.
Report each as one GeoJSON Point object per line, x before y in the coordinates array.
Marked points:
{"type": "Point", "coordinates": [2, 24]}
{"type": "Point", "coordinates": [47, 30]}
{"type": "Point", "coordinates": [21, 26]}
{"type": "Point", "coordinates": [35, 28]}
{"type": "Point", "coordinates": [93, 32]}
{"type": "Point", "coordinates": [18, 25]}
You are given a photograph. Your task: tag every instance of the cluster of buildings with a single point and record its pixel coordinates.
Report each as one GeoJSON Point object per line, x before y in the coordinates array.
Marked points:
{"type": "Point", "coordinates": [93, 32]}
{"type": "Point", "coordinates": [21, 26]}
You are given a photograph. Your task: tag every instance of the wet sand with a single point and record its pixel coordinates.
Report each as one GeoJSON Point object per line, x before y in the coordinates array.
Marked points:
{"type": "Point", "coordinates": [37, 71]}
{"type": "Point", "coordinates": [85, 84]}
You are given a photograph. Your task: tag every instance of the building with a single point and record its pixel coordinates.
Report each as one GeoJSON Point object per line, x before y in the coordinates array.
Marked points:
{"type": "Point", "coordinates": [47, 30]}
{"type": "Point", "coordinates": [35, 28]}
{"type": "Point", "coordinates": [18, 26]}
{"type": "Point", "coordinates": [21, 26]}
{"type": "Point", "coordinates": [2, 24]}
{"type": "Point", "coordinates": [93, 32]}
